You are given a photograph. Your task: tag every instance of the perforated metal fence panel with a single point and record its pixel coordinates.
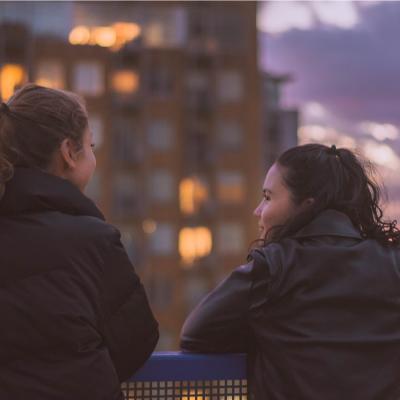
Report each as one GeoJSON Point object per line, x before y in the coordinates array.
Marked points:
{"type": "Point", "coordinates": [173, 376]}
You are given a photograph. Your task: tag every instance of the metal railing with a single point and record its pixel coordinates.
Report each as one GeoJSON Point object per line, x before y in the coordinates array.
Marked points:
{"type": "Point", "coordinates": [184, 376]}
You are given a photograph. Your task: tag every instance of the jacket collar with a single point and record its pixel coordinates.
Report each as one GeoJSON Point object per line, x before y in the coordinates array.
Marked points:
{"type": "Point", "coordinates": [32, 190]}
{"type": "Point", "coordinates": [330, 223]}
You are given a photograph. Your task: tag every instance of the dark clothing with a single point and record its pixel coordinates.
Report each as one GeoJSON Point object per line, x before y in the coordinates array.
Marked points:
{"type": "Point", "coordinates": [75, 320]}
{"type": "Point", "coordinates": [318, 315]}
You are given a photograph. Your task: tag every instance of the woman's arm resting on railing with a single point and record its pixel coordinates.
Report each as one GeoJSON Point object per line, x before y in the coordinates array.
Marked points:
{"type": "Point", "coordinates": [219, 323]}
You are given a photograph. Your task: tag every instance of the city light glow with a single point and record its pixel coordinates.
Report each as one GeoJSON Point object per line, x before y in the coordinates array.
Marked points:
{"type": "Point", "coordinates": [125, 32]}
{"type": "Point", "coordinates": [103, 36]}
{"type": "Point", "coordinates": [194, 395]}
{"type": "Point", "coordinates": [149, 226]}
{"type": "Point", "coordinates": [11, 76]}
{"type": "Point", "coordinates": [194, 243]}
{"type": "Point", "coordinates": [113, 37]}
{"type": "Point", "coordinates": [125, 81]}
{"type": "Point", "coordinates": [79, 35]}
{"type": "Point", "coordinates": [192, 194]}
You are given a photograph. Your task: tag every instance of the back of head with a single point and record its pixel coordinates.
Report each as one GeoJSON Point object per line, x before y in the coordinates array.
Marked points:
{"type": "Point", "coordinates": [33, 123]}
{"type": "Point", "coordinates": [335, 179]}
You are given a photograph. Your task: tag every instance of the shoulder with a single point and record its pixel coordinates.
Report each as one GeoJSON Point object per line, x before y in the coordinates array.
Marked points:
{"type": "Point", "coordinates": [92, 229]}
{"type": "Point", "coordinates": [98, 228]}
{"type": "Point", "coordinates": [79, 230]}
{"type": "Point", "coordinates": [272, 257]}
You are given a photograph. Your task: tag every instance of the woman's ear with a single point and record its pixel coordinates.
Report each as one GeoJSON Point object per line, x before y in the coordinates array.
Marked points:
{"type": "Point", "coordinates": [68, 152]}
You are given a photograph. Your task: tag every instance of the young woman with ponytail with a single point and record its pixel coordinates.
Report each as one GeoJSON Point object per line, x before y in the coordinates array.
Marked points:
{"type": "Point", "coordinates": [317, 306]}
{"type": "Point", "coordinates": [75, 320]}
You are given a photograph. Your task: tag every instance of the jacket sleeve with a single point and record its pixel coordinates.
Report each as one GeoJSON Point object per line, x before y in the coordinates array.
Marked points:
{"type": "Point", "coordinates": [219, 324]}
{"type": "Point", "coordinates": [130, 330]}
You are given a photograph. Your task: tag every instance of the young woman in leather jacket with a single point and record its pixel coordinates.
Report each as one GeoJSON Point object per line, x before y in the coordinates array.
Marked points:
{"type": "Point", "coordinates": [317, 306]}
{"type": "Point", "coordinates": [75, 320]}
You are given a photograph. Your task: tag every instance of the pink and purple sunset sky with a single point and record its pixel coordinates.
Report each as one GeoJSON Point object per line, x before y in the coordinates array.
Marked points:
{"type": "Point", "coordinates": [345, 63]}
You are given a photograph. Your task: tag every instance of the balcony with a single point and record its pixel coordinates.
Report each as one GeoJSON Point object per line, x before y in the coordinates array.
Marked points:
{"type": "Point", "coordinates": [183, 376]}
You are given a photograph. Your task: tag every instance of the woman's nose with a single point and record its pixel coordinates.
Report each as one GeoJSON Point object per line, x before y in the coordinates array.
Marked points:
{"type": "Point", "coordinates": [257, 211]}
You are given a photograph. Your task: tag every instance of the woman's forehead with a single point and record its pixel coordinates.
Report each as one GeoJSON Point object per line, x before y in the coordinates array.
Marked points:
{"type": "Point", "coordinates": [273, 180]}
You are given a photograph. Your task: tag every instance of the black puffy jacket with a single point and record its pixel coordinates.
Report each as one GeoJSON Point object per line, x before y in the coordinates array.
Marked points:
{"type": "Point", "coordinates": [318, 315]}
{"type": "Point", "coordinates": [75, 320]}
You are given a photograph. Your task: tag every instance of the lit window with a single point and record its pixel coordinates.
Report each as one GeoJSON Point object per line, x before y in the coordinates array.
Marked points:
{"type": "Point", "coordinates": [230, 187]}
{"type": "Point", "coordinates": [193, 193]}
{"type": "Point", "coordinates": [50, 74]}
{"type": "Point", "coordinates": [79, 35]}
{"type": "Point", "coordinates": [230, 238]}
{"type": "Point", "coordinates": [194, 243]}
{"type": "Point", "coordinates": [96, 127]}
{"type": "Point", "coordinates": [113, 37]}
{"type": "Point", "coordinates": [160, 135]}
{"type": "Point", "coordinates": [125, 81]}
{"type": "Point", "coordinates": [12, 76]}
{"type": "Point", "coordinates": [125, 32]}
{"type": "Point", "coordinates": [88, 78]}
{"type": "Point", "coordinates": [163, 240]}
{"type": "Point", "coordinates": [103, 36]}
{"type": "Point", "coordinates": [229, 86]}
{"type": "Point", "coordinates": [162, 186]}
{"type": "Point", "coordinates": [125, 199]}
{"type": "Point", "coordinates": [230, 134]}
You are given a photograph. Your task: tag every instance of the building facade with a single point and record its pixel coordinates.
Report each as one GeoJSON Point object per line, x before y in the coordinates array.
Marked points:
{"type": "Point", "coordinates": [173, 94]}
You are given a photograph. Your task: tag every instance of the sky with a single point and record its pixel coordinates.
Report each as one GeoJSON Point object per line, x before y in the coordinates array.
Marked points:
{"type": "Point", "coordinates": [344, 59]}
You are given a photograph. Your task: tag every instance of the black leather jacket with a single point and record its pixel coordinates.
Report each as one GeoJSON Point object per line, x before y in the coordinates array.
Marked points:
{"type": "Point", "coordinates": [318, 315]}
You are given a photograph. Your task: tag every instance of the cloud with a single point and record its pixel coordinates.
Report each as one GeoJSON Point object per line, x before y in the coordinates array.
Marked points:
{"type": "Point", "coordinates": [352, 72]}
{"type": "Point", "coordinates": [341, 14]}
{"type": "Point", "coordinates": [276, 17]}
{"type": "Point", "coordinates": [380, 132]}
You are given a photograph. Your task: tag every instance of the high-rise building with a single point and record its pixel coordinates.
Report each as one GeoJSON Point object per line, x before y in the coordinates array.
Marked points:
{"type": "Point", "coordinates": [279, 123]}
{"type": "Point", "coordinates": [173, 93]}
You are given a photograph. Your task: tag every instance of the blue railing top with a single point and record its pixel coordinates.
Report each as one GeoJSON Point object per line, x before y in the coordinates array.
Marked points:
{"type": "Point", "coordinates": [176, 366]}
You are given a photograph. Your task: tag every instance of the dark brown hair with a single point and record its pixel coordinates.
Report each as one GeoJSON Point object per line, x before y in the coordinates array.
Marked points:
{"type": "Point", "coordinates": [33, 123]}
{"type": "Point", "coordinates": [336, 179]}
